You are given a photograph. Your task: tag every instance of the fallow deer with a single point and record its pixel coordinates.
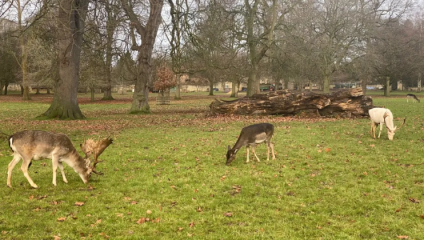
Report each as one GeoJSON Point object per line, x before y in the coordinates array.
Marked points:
{"type": "Point", "coordinates": [251, 136]}
{"type": "Point", "coordinates": [413, 96]}
{"type": "Point", "coordinates": [380, 116]}
{"type": "Point", "coordinates": [31, 145]}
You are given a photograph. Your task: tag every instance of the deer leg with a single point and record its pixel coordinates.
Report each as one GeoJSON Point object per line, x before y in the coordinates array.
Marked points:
{"type": "Point", "coordinates": [254, 152]}
{"type": "Point", "coordinates": [381, 128]}
{"type": "Point", "coordinates": [24, 168]}
{"type": "Point", "coordinates": [54, 165]}
{"type": "Point", "coordinates": [12, 164]}
{"type": "Point", "coordinates": [247, 153]}
{"type": "Point", "coordinates": [272, 150]}
{"type": "Point", "coordinates": [63, 172]}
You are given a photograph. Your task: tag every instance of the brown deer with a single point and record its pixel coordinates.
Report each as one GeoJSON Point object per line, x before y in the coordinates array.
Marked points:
{"type": "Point", "coordinates": [251, 136]}
{"type": "Point", "coordinates": [31, 145]}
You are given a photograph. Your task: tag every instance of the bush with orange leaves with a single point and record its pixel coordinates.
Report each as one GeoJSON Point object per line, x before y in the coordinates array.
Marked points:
{"type": "Point", "coordinates": [164, 79]}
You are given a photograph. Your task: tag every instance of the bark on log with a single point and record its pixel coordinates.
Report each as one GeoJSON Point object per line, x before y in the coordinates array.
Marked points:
{"type": "Point", "coordinates": [343, 103]}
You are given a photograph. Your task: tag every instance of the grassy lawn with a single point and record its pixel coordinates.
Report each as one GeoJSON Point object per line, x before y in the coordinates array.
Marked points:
{"type": "Point", "coordinates": [165, 176]}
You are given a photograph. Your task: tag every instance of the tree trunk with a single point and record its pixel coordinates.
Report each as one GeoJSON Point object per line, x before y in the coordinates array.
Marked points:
{"type": "Point", "coordinates": [234, 89]}
{"type": "Point", "coordinates": [344, 103]}
{"type": "Point", "coordinates": [24, 54]}
{"type": "Point", "coordinates": [178, 89]}
{"type": "Point", "coordinates": [210, 88]}
{"type": "Point", "coordinates": [70, 30]}
{"type": "Point", "coordinates": [148, 34]}
{"type": "Point", "coordinates": [419, 82]}
{"type": "Point", "coordinates": [5, 88]}
{"type": "Point", "coordinates": [110, 28]}
{"type": "Point", "coordinates": [364, 83]}
{"type": "Point", "coordinates": [387, 87]}
{"type": "Point", "coordinates": [252, 81]}
{"type": "Point", "coordinates": [326, 84]}
{"type": "Point", "coordinates": [92, 94]}
{"type": "Point", "coordinates": [1, 88]}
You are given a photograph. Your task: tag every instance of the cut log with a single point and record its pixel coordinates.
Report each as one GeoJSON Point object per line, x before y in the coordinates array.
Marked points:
{"type": "Point", "coordinates": [343, 103]}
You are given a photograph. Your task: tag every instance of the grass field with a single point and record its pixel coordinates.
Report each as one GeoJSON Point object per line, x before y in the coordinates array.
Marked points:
{"type": "Point", "coordinates": [165, 176]}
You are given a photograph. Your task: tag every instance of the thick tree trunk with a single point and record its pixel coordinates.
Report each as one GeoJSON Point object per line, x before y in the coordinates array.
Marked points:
{"type": "Point", "coordinates": [326, 84]}
{"type": "Point", "coordinates": [140, 103]}
{"type": "Point", "coordinates": [234, 89]}
{"type": "Point", "coordinates": [92, 94]}
{"type": "Point", "coordinates": [344, 103]}
{"type": "Point", "coordinates": [210, 88]}
{"type": "Point", "coordinates": [5, 88]}
{"type": "Point", "coordinates": [70, 30]}
{"type": "Point", "coordinates": [387, 87]}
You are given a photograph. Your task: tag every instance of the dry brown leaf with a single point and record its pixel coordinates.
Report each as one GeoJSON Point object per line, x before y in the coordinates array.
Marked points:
{"type": "Point", "coordinates": [56, 237]}
{"type": "Point", "coordinates": [228, 214]}
{"type": "Point", "coordinates": [403, 237]}
{"type": "Point", "coordinates": [79, 204]}
{"type": "Point", "coordinates": [61, 219]}
{"type": "Point", "coordinates": [141, 220]}
{"type": "Point", "coordinates": [414, 200]}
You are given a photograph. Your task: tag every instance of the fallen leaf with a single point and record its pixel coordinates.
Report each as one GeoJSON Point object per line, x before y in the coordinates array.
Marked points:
{"type": "Point", "coordinates": [327, 149]}
{"type": "Point", "coordinates": [79, 204]}
{"type": "Point", "coordinates": [228, 214]}
{"type": "Point", "coordinates": [141, 220]}
{"type": "Point", "coordinates": [414, 200]}
{"type": "Point", "coordinates": [56, 237]}
{"type": "Point", "coordinates": [149, 212]}
{"type": "Point", "coordinates": [403, 237]}
{"type": "Point", "coordinates": [61, 219]}
{"type": "Point", "coordinates": [191, 224]}
{"type": "Point", "coordinates": [104, 235]}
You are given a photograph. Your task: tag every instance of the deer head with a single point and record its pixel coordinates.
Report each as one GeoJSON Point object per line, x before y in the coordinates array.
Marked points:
{"type": "Point", "coordinates": [95, 148]}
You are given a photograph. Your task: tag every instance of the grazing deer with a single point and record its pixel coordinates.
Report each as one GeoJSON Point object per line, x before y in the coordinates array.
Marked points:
{"type": "Point", "coordinates": [380, 116]}
{"type": "Point", "coordinates": [251, 136]}
{"type": "Point", "coordinates": [36, 145]}
{"type": "Point", "coordinates": [414, 98]}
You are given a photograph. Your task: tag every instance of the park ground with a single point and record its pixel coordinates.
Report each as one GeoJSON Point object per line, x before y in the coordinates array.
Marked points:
{"type": "Point", "coordinates": [165, 175]}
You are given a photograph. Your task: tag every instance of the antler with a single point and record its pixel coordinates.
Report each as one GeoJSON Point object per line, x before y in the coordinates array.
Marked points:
{"type": "Point", "coordinates": [404, 120]}
{"type": "Point", "coordinates": [90, 147]}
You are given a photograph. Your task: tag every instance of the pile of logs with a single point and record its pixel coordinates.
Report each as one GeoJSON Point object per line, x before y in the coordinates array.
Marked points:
{"type": "Point", "coordinates": [344, 103]}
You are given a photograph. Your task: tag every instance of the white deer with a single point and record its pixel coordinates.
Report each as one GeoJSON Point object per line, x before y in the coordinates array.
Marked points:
{"type": "Point", "coordinates": [28, 145]}
{"type": "Point", "coordinates": [380, 116]}
{"type": "Point", "coordinates": [251, 136]}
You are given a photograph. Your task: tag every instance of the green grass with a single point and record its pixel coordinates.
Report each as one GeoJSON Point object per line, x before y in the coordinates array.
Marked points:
{"type": "Point", "coordinates": [330, 180]}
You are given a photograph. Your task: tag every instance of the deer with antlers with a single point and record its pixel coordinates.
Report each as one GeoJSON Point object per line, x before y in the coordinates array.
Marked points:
{"type": "Point", "coordinates": [31, 145]}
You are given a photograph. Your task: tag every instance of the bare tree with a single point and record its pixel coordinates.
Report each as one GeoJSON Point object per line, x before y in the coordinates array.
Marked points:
{"type": "Point", "coordinates": [69, 36]}
{"type": "Point", "coordinates": [147, 31]}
